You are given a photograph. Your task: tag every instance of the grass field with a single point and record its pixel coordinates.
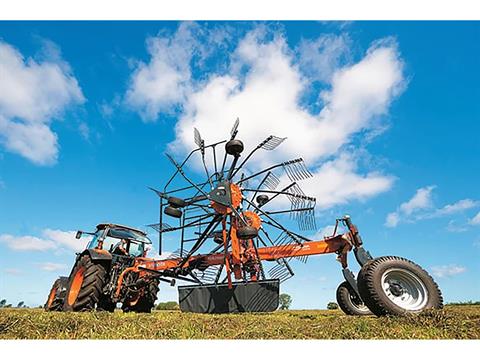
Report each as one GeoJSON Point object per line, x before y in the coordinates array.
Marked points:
{"type": "Point", "coordinates": [453, 322]}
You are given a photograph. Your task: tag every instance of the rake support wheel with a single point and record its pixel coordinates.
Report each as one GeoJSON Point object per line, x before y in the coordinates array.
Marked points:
{"type": "Point", "coordinates": [391, 285]}
{"type": "Point", "coordinates": [146, 301]}
{"type": "Point", "coordinates": [57, 295]}
{"type": "Point", "coordinates": [85, 285]}
{"type": "Point", "coordinates": [350, 302]}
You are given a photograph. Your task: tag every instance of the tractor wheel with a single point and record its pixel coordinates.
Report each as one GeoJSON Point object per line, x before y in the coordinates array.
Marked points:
{"type": "Point", "coordinates": [146, 302]}
{"type": "Point", "coordinates": [57, 295]}
{"type": "Point", "coordinates": [391, 285]}
{"type": "Point", "coordinates": [85, 285]}
{"type": "Point", "coordinates": [350, 302]}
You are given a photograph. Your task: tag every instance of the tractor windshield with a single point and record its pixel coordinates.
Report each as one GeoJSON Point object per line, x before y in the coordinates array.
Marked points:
{"type": "Point", "coordinates": [121, 241]}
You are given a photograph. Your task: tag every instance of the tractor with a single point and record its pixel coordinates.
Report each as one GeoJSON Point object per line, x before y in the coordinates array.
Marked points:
{"type": "Point", "coordinates": [100, 278]}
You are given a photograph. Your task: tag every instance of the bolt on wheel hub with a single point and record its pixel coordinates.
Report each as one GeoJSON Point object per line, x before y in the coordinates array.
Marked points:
{"type": "Point", "coordinates": [404, 289]}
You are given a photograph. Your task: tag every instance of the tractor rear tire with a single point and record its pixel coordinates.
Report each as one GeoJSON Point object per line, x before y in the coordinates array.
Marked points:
{"type": "Point", "coordinates": [146, 302]}
{"type": "Point", "coordinates": [391, 285]}
{"type": "Point", "coordinates": [350, 302]}
{"type": "Point", "coordinates": [57, 293]}
{"type": "Point", "coordinates": [85, 285]}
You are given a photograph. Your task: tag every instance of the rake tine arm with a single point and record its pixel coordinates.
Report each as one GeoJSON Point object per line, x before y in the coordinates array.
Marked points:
{"type": "Point", "coordinates": [258, 187]}
{"type": "Point", "coordinates": [201, 144]}
{"type": "Point", "coordinates": [279, 226]}
{"type": "Point", "coordinates": [284, 192]}
{"type": "Point", "coordinates": [274, 196]}
{"type": "Point", "coordinates": [215, 162]}
{"type": "Point", "coordinates": [213, 224]}
{"type": "Point", "coordinates": [289, 211]}
{"type": "Point", "coordinates": [261, 172]}
{"type": "Point", "coordinates": [180, 170]}
{"type": "Point", "coordinates": [259, 146]}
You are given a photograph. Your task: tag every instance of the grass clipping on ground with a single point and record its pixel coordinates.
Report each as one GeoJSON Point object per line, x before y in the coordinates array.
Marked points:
{"type": "Point", "coordinates": [453, 322]}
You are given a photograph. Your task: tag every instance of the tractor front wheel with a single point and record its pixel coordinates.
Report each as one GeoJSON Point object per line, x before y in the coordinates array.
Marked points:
{"type": "Point", "coordinates": [85, 285]}
{"type": "Point", "coordinates": [56, 296]}
{"type": "Point", "coordinates": [349, 301]}
{"type": "Point", "coordinates": [391, 285]}
{"type": "Point", "coordinates": [146, 302]}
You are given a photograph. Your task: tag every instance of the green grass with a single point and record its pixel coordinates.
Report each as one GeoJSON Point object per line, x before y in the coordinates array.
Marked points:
{"type": "Point", "coordinates": [453, 322]}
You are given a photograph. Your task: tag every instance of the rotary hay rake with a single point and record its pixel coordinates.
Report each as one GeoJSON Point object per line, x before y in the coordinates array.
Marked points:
{"type": "Point", "coordinates": [230, 232]}
{"type": "Point", "coordinates": [236, 244]}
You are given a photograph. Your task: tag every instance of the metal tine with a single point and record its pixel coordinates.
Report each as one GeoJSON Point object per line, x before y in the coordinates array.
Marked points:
{"type": "Point", "coordinates": [298, 199]}
{"type": "Point", "coordinates": [159, 193]}
{"type": "Point", "coordinates": [160, 227]}
{"type": "Point", "coordinates": [197, 138]}
{"type": "Point", "coordinates": [271, 181]}
{"type": "Point", "coordinates": [281, 271]}
{"type": "Point", "coordinates": [173, 161]}
{"type": "Point", "coordinates": [177, 254]}
{"type": "Point", "coordinates": [234, 130]}
{"type": "Point", "coordinates": [201, 144]}
{"type": "Point", "coordinates": [296, 170]}
{"type": "Point", "coordinates": [244, 184]}
{"type": "Point", "coordinates": [180, 170]}
{"type": "Point", "coordinates": [271, 142]}
{"type": "Point", "coordinates": [208, 274]}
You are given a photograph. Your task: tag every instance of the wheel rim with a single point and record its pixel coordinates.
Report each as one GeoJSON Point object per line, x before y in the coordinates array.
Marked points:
{"type": "Point", "coordinates": [76, 286]}
{"type": "Point", "coordinates": [358, 304]}
{"type": "Point", "coordinates": [51, 297]}
{"type": "Point", "coordinates": [404, 289]}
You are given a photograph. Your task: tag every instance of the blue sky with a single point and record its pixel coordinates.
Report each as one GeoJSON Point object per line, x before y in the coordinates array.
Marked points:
{"type": "Point", "coordinates": [385, 113]}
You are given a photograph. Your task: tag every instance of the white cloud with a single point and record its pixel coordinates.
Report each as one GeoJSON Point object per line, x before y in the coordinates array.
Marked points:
{"type": "Point", "coordinates": [84, 130]}
{"type": "Point", "coordinates": [49, 240]}
{"type": "Point", "coordinates": [475, 220]}
{"type": "Point", "coordinates": [338, 182]}
{"type": "Point", "coordinates": [66, 239]}
{"type": "Point", "coordinates": [324, 232]}
{"type": "Point", "coordinates": [49, 266]}
{"type": "Point", "coordinates": [420, 201]}
{"type": "Point", "coordinates": [455, 228]}
{"type": "Point", "coordinates": [164, 82]}
{"type": "Point", "coordinates": [392, 219]}
{"type": "Point", "coordinates": [421, 207]}
{"type": "Point", "coordinates": [32, 94]}
{"type": "Point", "coordinates": [266, 99]}
{"type": "Point", "coordinates": [26, 243]}
{"type": "Point", "coordinates": [447, 270]}
{"type": "Point", "coordinates": [320, 57]}
{"type": "Point", "coordinates": [456, 207]}
{"type": "Point", "coordinates": [13, 271]}
{"type": "Point", "coordinates": [263, 86]}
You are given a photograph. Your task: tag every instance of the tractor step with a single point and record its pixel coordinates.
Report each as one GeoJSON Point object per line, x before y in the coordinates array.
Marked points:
{"type": "Point", "coordinates": [259, 296]}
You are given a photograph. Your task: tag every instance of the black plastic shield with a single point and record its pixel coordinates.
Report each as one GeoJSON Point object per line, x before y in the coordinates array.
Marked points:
{"type": "Point", "coordinates": [260, 296]}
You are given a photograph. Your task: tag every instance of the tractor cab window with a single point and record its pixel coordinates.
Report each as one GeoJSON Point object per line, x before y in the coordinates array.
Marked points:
{"type": "Point", "coordinates": [136, 248]}
{"type": "Point", "coordinates": [120, 241]}
{"type": "Point", "coordinates": [127, 247]}
{"type": "Point", "coordinates": [95, 239]}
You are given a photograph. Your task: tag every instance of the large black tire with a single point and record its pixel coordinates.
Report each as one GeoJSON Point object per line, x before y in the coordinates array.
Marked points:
{"type": "Point", "coordinates": [349, 301]}
{"type": "Point", "coordinates": [56, 296]}
{"type": "Point", "coordinates": [85, 285]}
{"type": "Point", "coordinates": [147, 301]}
{"type": "Point", "coordinates": [391, 285]}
